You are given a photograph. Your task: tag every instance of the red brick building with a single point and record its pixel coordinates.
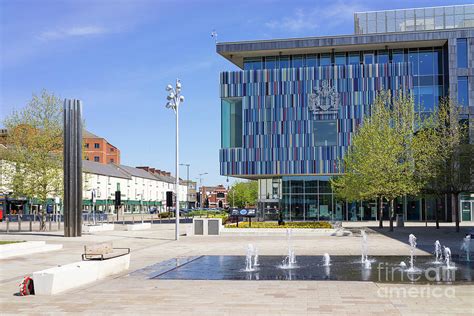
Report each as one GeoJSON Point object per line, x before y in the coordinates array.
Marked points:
{"type": "Point", "coordinates": [98, 149]}
{"type": "Point", "coordinates": [214, 197]}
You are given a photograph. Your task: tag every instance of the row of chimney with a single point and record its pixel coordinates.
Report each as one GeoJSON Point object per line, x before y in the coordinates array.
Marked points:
{"type": "Point", "coordinates": [156, 171]}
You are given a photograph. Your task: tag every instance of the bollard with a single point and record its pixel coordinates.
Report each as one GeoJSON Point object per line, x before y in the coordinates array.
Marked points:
{"type": "Point", "coordinates": [59, 222]}
{"type": "Point", "coordinates": [152, 219]}
{"type": "Point", "coordinates": [133, 219]}
{"type": "Point", "coordinates": [19, 222]}
{"type": "Point", "coordinates": [123, 219]}
{"type": "Point", "coordinates": [50, 222]}
{"type": "Point", "coordinates": [8, 224]}
{"type": "Point", "coordinates": [31, 224]}
{"type": "Point", "coordinates": [142, 218]}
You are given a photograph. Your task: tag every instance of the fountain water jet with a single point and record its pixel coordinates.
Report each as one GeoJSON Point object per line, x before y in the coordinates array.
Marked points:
{"type": "Point", "coordinates": [326, 260]}
{"type": "Point", "coordinates": [466, 246]}
{"type": "Point", "coordinates": [364, 246]}
{"type": "Point", "coordinates": [367, 265]}
{"type": "Point", "coordinates": [412, 241]}
{"type": "Point", "coordinates": [447, 259]}
{"type": "Point", "coordinates": [290, 260]}
{"type": "Point", "coordinates": [249, 259]}
{"type": "Point", "coordinates": [438, 253]}
{"type": "Point", "coordinates": [255, 258]}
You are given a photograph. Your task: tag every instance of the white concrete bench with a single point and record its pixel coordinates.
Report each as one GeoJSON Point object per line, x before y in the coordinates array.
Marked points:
{"type": "Point", "coordinates": [139, 226]}
{"type": "Point", "coordinates": [62, 278]}
{"type": "Point", "coordinates": [103, 251]}
{"type": "Point", "coordinates": [98, 228]}
{"type": "Point", "coordinates": [26, 248]}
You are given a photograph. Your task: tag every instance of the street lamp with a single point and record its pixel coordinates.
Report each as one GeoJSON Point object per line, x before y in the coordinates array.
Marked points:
{"type": "Point", "coordinates": [187, 182]}
{"type": "Point", "coordinates": [200, 187]}
{"type": "Point", "coordinates": [174, 99]}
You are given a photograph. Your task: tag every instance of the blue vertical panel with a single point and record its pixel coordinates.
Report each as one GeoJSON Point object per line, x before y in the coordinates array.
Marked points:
{"type": "Point", "coordinates": [278, 135]}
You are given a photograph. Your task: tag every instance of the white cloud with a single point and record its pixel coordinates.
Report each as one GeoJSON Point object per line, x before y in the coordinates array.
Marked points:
{"type": "Point", "coordinates": [76, 31]}
{"type": "Point", "coordinates": [327, 15]}
{"type": "Point", "coordinates": [297, 22]}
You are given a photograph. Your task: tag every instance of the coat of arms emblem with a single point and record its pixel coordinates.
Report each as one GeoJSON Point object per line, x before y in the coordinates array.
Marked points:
{"type": "Point", "coordinates": [325, 99]}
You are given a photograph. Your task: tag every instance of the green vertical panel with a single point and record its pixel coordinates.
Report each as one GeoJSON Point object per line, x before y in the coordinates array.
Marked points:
{"type": "Point", "coordinates": [225, 123]}
{"type": "Point", "coordinates": [231, 123]}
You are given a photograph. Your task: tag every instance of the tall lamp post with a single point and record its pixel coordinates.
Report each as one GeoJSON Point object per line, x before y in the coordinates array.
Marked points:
{"type": "Point", "coordinates": [174, 100]}
{"type": "Point", "coordinates": [187, 183]}
{"type": "Point", "coordinates": [200, 188]}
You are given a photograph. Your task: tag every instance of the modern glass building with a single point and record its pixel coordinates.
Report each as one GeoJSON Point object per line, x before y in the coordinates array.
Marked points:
{"type": "Point", "coordinates": [288, 116]}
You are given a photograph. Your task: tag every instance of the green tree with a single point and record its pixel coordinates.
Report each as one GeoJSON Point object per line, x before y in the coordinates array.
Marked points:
{"type": "Point", "coordinates": [243, 194]}
{"type": "Point", "coordinates": [453, 161]}
{"type": "Point", "coordinates": [34, 147]}
{"type": "Point", "coordinates": [385, 154]}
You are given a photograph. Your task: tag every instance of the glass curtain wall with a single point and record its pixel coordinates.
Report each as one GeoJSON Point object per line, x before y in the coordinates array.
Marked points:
{"type": "Point", "coordinates": [309, 198]}
{"type": "Point", "coordinates": [231, 123]}
{"type": "Point", "coordinates": [420, 19]}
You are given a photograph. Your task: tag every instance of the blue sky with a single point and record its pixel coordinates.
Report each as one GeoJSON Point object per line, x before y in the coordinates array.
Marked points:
{"type": "Point", "coordinates": [117, 56]}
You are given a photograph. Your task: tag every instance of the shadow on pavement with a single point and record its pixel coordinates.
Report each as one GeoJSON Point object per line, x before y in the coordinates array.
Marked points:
{"type": "Point", "coordinates": [426, 236]}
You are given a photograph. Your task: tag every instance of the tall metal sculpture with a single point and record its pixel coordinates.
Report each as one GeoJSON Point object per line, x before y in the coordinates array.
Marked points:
{"type": "Point", "coordinates": [72, 168]}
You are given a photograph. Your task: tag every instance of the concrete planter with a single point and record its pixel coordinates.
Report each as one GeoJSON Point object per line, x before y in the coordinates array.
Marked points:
{"type": "Point", "coordinates": [26, 248]}
{"type": "Point", "coordinates": [98, 228]}
{"type": "Point", "coordinates": [206, 226]}
{"type": "Point", "coordinates": [59, 279]}
{"type": "Point", "coordinates": [139, 226]}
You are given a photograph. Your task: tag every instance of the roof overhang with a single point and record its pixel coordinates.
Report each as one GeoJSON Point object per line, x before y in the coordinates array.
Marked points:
{"type": "Point", "coordinates": [236, 51]}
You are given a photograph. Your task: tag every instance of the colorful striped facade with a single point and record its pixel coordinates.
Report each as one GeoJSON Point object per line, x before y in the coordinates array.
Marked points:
{"type": "Point", "coordinates": [278, 135]}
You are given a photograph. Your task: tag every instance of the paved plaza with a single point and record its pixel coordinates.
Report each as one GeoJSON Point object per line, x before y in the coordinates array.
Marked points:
{"type": "Point", "coordinates": [134, 294]}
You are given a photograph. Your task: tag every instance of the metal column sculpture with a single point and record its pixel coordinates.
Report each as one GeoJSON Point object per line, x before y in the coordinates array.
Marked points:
{"type": "Point", "coordinates": [72, 168]}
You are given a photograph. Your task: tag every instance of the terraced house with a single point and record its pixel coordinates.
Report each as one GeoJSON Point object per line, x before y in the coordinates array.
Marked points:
{"type": "Point", "coordinates": [289, 114]}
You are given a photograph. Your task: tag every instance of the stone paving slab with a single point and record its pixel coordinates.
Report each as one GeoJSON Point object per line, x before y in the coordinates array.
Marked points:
{"type": "Point", "coordinates": [125, 294]}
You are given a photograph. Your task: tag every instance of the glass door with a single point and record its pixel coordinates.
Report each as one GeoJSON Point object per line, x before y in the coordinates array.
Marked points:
{"type": "Point", "coordinates": [467, 210]}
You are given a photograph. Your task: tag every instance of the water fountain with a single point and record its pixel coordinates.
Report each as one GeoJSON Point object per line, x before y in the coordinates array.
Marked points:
{"type": "Point", "coordinates": [447, 258]}
{"type": "Point", "coordinates": [412, 241]}
{"type": "Point", "coordinates": [290, 260]}
{"type": "Point", "coordinates": [438, 253]}
{"type": "Point", "coordinates": [466, 246]}
{"type": "Point", "coordinates": [326, 260]}
{"type": "Point", "coordinates": [249, 259]}
{"type": "Point", "coordinates": [367, 265]}
{"type": "Point", "coordinates": [255, 258]}
{"type": "Point", "coordinates": [364, 246]}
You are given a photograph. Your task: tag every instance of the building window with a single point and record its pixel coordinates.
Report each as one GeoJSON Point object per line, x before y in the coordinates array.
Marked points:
{"type": "Point", "coordinates": [87, 145]}
{"type": "Point", "coordinates": [311, 60]}
{"type": "Point", "coordinates": [284, 61]}
{"type": "Point", "coordinates": [253, 63]}
{"type": "Point", "coordinates": [96, 145]}
{"type": "Point", "coordinates": [368, 58]}
{"type": "Point", "coordinates": [340, 59]}
{"type": "Point", "coordinates": [461, 47]}
{"type": "Point", "coordinates": [398, 56]}
{"type": "Point", "coordinates": [382, 57]}
{"type": "Point", "coordinates": [325, 60]}
{"type": "Point", "coordinates": [112, 149]}
{"type": "Point", "coordinates": [463, 91]}
{"type": "Point", "coordinates": [271, 62]}
{"type": "Point", "coordinates": [297, 61]}
{"type": "Point", "coordinates": [231, 123]}
{"type": "Point", "coordinates": [325, 133]}
{"type": "Point", "coordinates": [96, 158]}
{"type": "Point", "coordinates": [354, 58]}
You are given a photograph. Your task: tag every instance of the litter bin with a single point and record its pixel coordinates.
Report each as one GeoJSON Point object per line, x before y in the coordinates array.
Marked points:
{"type": "Point", "coordinates": [400, 220]}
